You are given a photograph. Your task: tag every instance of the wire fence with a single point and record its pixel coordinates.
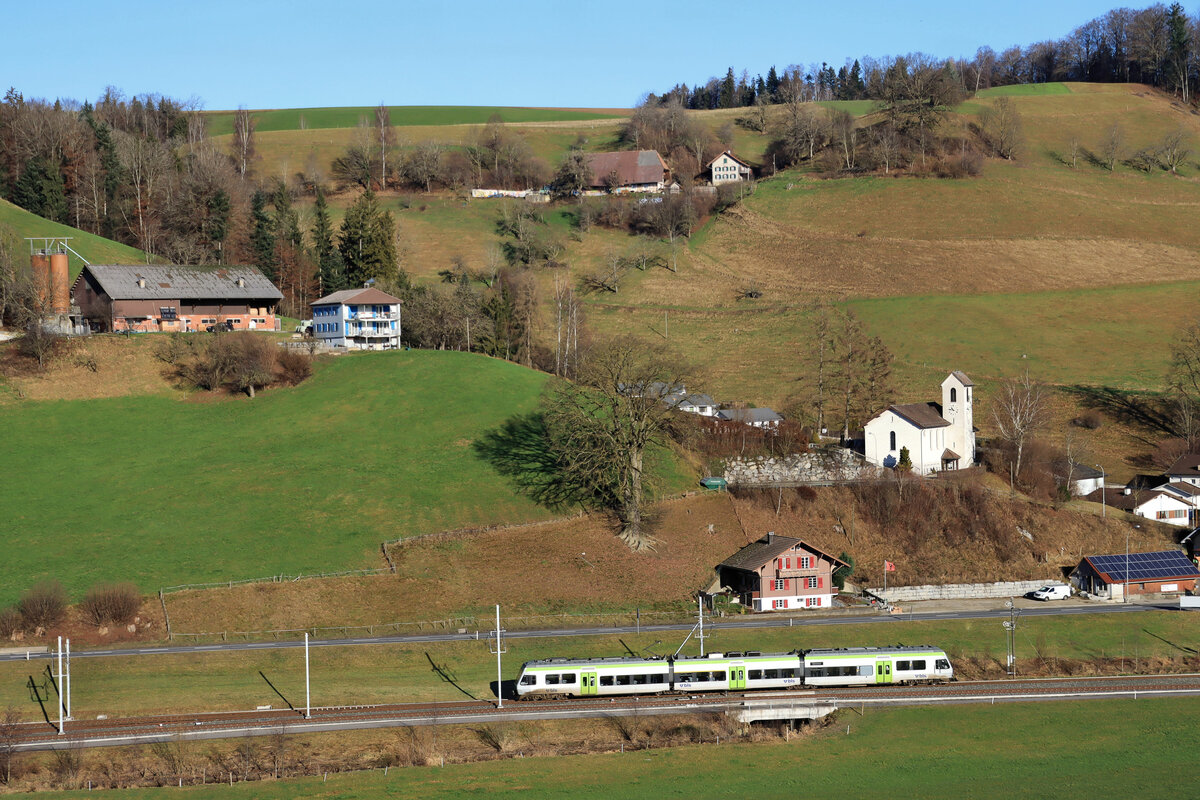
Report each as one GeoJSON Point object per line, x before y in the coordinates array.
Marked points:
{"type": "Point", "coordinates": [183, 587]}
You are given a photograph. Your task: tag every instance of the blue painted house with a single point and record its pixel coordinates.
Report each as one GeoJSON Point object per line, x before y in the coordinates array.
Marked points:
{"type": "Point", "coordinates": [358, 319]}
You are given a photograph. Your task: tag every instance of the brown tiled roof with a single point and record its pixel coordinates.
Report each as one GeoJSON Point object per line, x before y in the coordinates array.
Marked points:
{"type": "Point", "coordinates": [950, 455]}
{"type": "Point", "coordinates": [357, 296]}
{"type": "Point", "coordinates": [1180, 487]}
{"type": "Point", "coordinates": [923, 415]}
{"type": "Point", "coordinates": [631, 166]}
{"type": "Point", "coordinates": [755, 554]}
{"type": "Point", "coordinates": [1186, 465]}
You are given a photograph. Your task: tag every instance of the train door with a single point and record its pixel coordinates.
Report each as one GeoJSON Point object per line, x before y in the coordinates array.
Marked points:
{"type": "Point", "coordinates": [737, 676]}
{"type": "Point", "coordinates": [883, 672]}
{"type": "Point", "coordinates": [587, 684]}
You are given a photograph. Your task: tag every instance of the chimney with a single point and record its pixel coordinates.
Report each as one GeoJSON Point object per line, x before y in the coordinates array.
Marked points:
{"type": "Point", "coordinates": [241, 283]}
{"type": "Point", "coordinates": [141, 282]}
{"type": "Point", "coordinates": [770, 536]}
{"type": "Point", "coordinates": [1128, 490]}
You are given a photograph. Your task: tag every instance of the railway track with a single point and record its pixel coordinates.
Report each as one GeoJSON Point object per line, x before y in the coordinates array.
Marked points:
{"type": "Point", "coordinates": [132, 730]}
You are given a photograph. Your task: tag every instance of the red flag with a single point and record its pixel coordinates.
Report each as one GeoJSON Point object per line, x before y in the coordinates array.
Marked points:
{"type": "Point", "coordinates": [888, 566]}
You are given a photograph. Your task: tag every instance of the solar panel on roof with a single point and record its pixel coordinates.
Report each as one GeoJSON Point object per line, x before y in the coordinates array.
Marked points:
{"type": "Point", "coordinates": [1145, 566]}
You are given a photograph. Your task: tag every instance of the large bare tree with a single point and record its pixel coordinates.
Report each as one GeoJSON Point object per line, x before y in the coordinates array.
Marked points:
{"type": "Point", "coordinates": [603, 424]}
{"type": "Point", "coordinates": [243, 141]}
{"type": "Point", "coordinates": [1020, 409]}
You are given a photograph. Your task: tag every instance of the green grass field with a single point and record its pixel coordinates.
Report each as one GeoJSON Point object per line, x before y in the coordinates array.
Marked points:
{"type": "Point", "coordinates": [1030, 750]}
{"type": "Point", "coordinates": [1026, 90]}
{"type": "Point", "coordinates": [286, 119]}
{"type": "Point", "coordinates": [19, 223]}
{"type": "Point", "coordinates": [160, 491]}
{"type": "Point", "coordinates": [403, 673]}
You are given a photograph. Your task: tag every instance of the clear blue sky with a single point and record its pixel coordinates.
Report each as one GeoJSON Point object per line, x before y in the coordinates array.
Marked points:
{"type": "Point", "coordinates": [274, 54]}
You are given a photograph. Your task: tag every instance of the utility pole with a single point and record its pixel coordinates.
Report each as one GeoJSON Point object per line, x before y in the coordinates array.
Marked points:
{"type": "Point", "coordinates": [67, 680]}
{"type": "Point", "coordinates": [1010, 628]}
{"type": "Point", "coordinates": [307, 685]}
{"type": "Point", "coordinates": [499, 670]}
{"type": "Point", "coordinates": [701, 603]}
{"type": "Point", "coordinates": [1103, 503]}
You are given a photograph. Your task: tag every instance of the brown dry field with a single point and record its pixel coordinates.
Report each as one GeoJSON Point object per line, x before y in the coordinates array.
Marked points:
{"type": "Point", "coordinates": [124, 367]}
{"type": "Point", "coordinates": [531, 570]}
{"type": "Point", "coordinates": [542, 569]}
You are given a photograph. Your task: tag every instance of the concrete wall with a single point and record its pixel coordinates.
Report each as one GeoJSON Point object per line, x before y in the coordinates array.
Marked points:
{"type": "Point", "coordinates": [958, 591]}
{"type": "Point", "coordinates": [833, 464]}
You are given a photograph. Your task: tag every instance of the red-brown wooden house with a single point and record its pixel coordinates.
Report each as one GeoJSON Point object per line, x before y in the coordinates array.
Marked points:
{"type": "Point", "coordinates": [779, 573]}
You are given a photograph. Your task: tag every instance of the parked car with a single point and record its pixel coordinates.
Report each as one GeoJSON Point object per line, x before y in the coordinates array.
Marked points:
{"type": "Point", "coordinates": [220, 326]}
{"type": "Point", "coordinates": [1052, 592]}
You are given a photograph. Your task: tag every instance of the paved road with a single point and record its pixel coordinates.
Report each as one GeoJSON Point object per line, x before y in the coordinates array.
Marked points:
{"type": "Point", "coordinates": [717, 624]}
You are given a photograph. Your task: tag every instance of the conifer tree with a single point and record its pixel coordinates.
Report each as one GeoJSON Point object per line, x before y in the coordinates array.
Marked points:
{"type": "Point", "coordinates": [367, 241]}
{"type": "Point", "coordinates": [262, 237]}
{"type": "Point", "coordinates": [330, 270]}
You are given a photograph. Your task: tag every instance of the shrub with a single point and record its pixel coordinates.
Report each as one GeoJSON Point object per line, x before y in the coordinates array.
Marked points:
{"type": "Point", "coordinates": [115, 603]}
{"type": "Point", "coordinates": [10, 622]}
{"type": "Point", "coordinates": [43, 605]}
{"type": "Point", "coordinates": [294, 367]}
{"type": "Point", "coordinates": [1090, 420]}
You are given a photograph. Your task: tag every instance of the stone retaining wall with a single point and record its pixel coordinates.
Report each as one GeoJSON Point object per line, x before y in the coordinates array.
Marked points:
{"type": "Point", "coordinates": [831, 465]}
{"type": "Point", "coordinates": [957, 591]}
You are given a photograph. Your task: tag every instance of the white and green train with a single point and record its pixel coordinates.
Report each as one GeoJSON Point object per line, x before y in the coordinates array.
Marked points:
{"type": "Point", "coordinates": [717, 672]}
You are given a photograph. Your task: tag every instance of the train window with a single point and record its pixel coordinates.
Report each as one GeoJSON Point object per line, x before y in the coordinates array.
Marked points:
{"type": "Point", "coordinates": [637, 680]}
{"type": "Point", "coordinates": [568, 677]}
{"type": "Point", "coordinates": [943, 664]}
{"type": "Point", "coordinates": [552, 678]}
{"type": "Point", "coordinates": [787, 673]}
{"type": "Point", "coordinates": [754, 675]}
{"type": "Point", "coordinates": [606, 680]}
{"type": "Point", "coordinates": [902, 666]}
{"type": "Point", "coordinates": [718, 676]}
{"type": "Point", "coordinates": [919, 665]}
{"type": "Point", "coordinates": [657, 679]}
{"type": "Point", "coordinates": [866, 670]}
{"type": "Point", "coordinates": [528, 680]}
{"type": "Point", "coordinates": [770, 674]}
{"type": "Point", "coordinates": [622, 680]}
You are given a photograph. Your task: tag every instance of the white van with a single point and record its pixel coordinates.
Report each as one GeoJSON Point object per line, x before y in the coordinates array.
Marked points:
{"type": "Point", "coordinates": [1052, 592]}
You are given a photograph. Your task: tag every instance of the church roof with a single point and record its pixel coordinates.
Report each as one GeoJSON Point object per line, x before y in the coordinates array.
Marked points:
{"type": "Point", "coordinates": [922, 415]}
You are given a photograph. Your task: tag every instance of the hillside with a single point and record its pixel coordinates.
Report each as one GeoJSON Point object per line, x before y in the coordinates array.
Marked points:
{"type": "Point", "coordinates": [19, 223]}
{"type": "Point", "coordinates": [161, 491]}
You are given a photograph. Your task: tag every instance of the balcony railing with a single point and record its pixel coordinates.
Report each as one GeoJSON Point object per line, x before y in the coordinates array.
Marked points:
{"type": "Point", "coordinates": [375, 315]}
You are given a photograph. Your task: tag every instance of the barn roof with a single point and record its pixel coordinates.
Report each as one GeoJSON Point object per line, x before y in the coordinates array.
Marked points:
{"type": "Point", "coordinates": [175, 282]}
{"type": "Point", "coordinates": [1188, 464]}
{"type": "Point", "coordinates": [632, 167]}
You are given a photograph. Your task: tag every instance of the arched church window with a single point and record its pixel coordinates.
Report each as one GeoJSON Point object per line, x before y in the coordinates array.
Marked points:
{"type": "Point", "coordinates": [893, 441]}
{"type": "Point", "coordinates": [953, 395]}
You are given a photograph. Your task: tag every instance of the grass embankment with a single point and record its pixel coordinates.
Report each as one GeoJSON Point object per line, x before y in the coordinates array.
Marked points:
{"type": "Point", "coordinates": [405, 673]}
{"type": "Point", "coordinates": [1006, 751]}
{"type": "Point", "coordinates": [160, 492]}
{"type": "Point", "coordinates": [19, 223]}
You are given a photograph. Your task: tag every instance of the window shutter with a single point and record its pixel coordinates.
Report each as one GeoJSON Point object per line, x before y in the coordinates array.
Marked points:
{"type": "Point", "coordinates": [780, 565]}
{"type": "Point", "coordinates": [786, 583]}
{"type": "Point", "coordinates": [820, 583]}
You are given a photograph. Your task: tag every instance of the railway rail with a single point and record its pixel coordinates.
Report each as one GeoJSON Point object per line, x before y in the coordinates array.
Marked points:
{"type": "Point", "coordinates": [132, 730]}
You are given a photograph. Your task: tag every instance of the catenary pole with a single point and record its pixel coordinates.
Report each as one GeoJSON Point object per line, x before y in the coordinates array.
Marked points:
{"type": "Point", "coordinates": [59, 687]}
{"type": "Point", "coordinates": [67, 680]}
{"type": "Point", "coordinates": [499, 672]}
{"type": "Point", "coordinates": [307, 685]}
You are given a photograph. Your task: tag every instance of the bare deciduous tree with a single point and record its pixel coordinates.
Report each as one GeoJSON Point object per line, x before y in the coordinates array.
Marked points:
{"type": "Point", "coordinates": [885, 145]}
{"type": "Point", "coordinates": [1020, 409]}
{"type": "Point", "coordinates": [384, 140]}
{"type": "Point", "coordinates": [1073, 148]}
{"type": "Point", "coordinates": [604, 424]}
{"type": "Point", "coordinates": [1174, 150]}
{"type": "Point", "coordinates": [243, 141]}
{"type": "Point", "coordinates": [1183, 383]}
{"type": "Point", "coordinates": [1112, 146]}
{"type": "Point", "coordinates": [10, 722]}
{"type": "Point", "coordinates": [1001, 126]}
